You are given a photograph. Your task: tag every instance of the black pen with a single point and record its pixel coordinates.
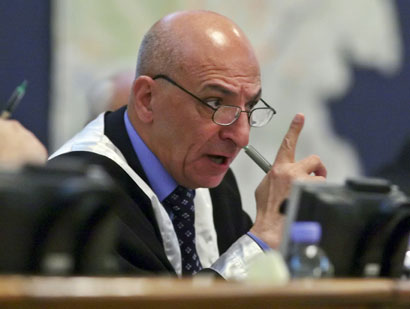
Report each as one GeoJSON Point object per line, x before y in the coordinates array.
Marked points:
{"type": "Point", "coordinates": [14, 100]}
{"type": "Point", "coordinates": [257, 158]}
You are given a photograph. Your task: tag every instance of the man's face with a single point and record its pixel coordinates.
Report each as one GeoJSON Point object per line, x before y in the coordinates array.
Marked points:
{"type": "Point", "coordinates": [196, 151]}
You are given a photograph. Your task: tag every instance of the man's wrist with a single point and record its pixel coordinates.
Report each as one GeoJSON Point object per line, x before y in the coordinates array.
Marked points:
{"type": "Point", "coordinates": [270, 234]}
{"type": "Point", "coordinates": [264, 246]}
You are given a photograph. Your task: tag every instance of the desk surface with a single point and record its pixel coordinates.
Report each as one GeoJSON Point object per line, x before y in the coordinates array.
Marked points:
{"type": "Point", "coordinates": [85, 292]}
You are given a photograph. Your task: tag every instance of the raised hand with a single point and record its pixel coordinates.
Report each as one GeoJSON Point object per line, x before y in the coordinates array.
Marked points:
{"type": "Point", "coordinates": [276, 185]}
{"type": "Point", "coordinates": [19, 145]}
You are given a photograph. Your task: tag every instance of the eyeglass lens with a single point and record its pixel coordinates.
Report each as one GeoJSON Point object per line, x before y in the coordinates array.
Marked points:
{"type": "Point", "coordinates": [225, 115]}
{"type": "Point", "coordinates": [260, 117]}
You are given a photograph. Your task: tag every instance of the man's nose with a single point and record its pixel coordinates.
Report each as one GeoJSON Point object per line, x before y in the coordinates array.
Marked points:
{"type": "Point", "coordinates": [238, 131]}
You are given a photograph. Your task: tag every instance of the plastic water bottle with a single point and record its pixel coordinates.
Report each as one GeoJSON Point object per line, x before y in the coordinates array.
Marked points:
{"type": "Point", "coordinates": [307, 259]}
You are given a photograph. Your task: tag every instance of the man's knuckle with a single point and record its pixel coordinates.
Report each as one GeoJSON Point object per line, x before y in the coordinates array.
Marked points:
{"type": "Point", "coordinates": [315, 157]}
{"type": "Point", "coordinates": [276, 171]}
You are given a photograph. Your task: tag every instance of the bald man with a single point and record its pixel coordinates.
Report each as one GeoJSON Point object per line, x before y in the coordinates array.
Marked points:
{"type": "Point", "coordinates": [196, 95]}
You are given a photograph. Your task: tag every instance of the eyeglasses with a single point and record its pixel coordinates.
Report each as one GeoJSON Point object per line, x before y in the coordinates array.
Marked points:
{"type": "Point", "coordinates": [226, 115]}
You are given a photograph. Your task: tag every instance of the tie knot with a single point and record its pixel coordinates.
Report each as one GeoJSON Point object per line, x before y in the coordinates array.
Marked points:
{"type": "Point", "coordinates": [185, 193]}
{"type": "Point", "coordinates": [181, 201]}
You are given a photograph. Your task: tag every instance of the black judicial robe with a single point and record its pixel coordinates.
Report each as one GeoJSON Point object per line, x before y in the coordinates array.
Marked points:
{"type": "Point", "coordinates": [139, 248]}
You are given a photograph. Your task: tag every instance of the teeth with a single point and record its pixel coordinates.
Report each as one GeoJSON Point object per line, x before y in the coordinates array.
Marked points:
{"type": "Point", "coordinates": [217, 160]}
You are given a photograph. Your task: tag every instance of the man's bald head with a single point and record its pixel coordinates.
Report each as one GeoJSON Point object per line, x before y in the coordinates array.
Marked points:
{"type": "Point", "coordinates": [189, 35]}
{"type": "Point", "coordinates": [209, 56]}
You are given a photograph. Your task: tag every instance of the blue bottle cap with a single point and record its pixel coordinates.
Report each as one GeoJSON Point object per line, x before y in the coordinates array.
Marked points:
{"type": "Point", "coordinates": [306, 232]}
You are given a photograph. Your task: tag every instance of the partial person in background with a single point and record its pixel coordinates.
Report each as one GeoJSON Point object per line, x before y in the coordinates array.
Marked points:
{"type": "Point", "coordinates": [110, 94]}
{"type": "Point", "coordinates": [19, 146]}
{"type": "Point", "coordinates": [196, 95]}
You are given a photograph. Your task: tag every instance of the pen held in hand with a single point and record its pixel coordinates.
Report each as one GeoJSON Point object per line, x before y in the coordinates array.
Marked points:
{"type": "Point", "coordinates": [265, 166]}
{"type": "Point", "coordinates": [14, 100]}
{"type": "Point", "coordinates": [257, 158]}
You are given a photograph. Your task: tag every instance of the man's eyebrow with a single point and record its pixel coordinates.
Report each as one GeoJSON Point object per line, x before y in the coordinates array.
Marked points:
{"type": "Point", "coordinates": [219, 88]}
{"type": "Point", "coordinates": [228, 92]}
{"type": "Point", "coordinates": [255, 98]}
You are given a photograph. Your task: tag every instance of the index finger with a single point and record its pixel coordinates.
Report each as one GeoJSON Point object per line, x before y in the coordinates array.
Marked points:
{"type": "Point", "coordinates": [286, 152]}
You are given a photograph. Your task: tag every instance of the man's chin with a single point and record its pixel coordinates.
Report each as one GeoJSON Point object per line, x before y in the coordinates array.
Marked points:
{"type": "Point", "coordinates": [207, 182]}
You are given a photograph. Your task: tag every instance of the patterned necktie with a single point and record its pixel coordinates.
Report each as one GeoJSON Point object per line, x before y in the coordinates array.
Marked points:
{"type": "Point", "coordinates": [181, 203]}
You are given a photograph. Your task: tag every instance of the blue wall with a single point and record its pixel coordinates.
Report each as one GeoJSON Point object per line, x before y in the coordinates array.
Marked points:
{"type": "Point", "coordinates": [375, 114]}
{"type": "Point", "coordinates": [25, 54]}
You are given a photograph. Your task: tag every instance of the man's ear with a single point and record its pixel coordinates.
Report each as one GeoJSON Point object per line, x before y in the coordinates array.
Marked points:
{"type": "Point", "coordinates": [141, 96]}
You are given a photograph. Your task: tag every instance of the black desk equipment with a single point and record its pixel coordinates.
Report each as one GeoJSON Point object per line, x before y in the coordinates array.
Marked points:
{"type": "Point", "coordinates": [365, 224]}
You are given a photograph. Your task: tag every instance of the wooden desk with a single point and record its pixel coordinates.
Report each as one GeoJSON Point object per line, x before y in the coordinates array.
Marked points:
{"type": "Point", "coordinates": [84, 292]}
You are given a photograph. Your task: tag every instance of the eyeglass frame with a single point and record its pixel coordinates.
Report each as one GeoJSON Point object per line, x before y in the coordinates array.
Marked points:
{"type": "Point", "coordinates": [215, 109]}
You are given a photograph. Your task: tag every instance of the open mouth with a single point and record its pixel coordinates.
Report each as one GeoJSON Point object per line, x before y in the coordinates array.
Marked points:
{"type": "Point", "coordinates": [218, 159]}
